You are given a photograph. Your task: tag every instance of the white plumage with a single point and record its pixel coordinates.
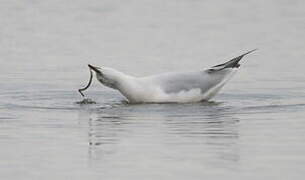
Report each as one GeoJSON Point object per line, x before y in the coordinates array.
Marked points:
{"type": "Point", "coordinates": [170, 87]}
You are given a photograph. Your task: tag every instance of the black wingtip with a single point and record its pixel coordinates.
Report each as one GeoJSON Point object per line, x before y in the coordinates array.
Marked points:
{"type": "Point", "coordinates": [249, 52]}
{"type": "Point", "coordinates": [238, 58]}
{"type": "Point", "coordinates": [233, 63]}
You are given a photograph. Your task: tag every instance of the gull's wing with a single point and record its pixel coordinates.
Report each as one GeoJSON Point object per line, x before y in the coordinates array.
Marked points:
{"type": "Point", "coordinates": [233, 63]}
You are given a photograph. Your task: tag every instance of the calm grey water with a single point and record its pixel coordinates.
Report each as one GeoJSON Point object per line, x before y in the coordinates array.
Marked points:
{"type": "Point", "coordinates": [254, 129]}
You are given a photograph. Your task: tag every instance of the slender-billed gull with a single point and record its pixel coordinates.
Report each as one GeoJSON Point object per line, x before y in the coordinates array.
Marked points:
{"type": "Point", "coordinates": [169, 87]}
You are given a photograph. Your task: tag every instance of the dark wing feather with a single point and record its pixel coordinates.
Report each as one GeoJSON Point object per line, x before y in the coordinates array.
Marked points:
{"type": "Point", "coordinates": [233, 63]}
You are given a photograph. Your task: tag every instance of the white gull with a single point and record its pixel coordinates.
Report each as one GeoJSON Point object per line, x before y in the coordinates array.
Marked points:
{"type": "Point", "coordinates": [169, 87]}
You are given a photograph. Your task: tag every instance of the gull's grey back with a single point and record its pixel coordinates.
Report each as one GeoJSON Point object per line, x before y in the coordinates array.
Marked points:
{"type": "Point", "coordinates": [177, 82]}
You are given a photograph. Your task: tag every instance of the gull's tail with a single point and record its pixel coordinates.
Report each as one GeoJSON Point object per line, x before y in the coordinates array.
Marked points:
{"type": "Point", "coordinates": [233, 63]}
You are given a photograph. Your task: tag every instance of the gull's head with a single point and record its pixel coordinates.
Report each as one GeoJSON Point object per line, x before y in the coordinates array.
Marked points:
{"type": "Point", "coordinates": [108, 76]}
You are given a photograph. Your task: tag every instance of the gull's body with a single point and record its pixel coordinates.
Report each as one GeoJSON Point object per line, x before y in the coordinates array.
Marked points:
{"type": "Point", "coordinates": [170, 87]}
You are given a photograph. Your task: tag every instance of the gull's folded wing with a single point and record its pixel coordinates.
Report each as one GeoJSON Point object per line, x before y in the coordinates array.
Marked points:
{"type": "Point", "coordinates": [233, 63]}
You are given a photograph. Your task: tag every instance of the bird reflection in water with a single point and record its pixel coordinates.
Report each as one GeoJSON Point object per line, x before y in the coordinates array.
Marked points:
{"type": "Point", "coordinates": [199, 132]}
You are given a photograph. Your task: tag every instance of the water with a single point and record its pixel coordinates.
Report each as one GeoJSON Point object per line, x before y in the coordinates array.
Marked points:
{"type": "Point", "coordinates": [254, 129]}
